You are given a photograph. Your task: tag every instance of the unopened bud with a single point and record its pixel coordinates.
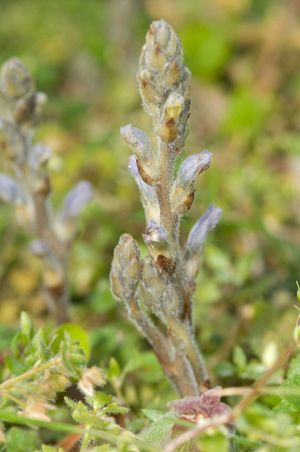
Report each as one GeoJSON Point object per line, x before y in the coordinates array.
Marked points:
{"type": "Point", "coordinates": [174, 106]}
{"type": "Point", "coordinates": [58, 382]}
{"type": "Point", "coordinates": [298, 291]}
{"type": "Point", "coordinates": [137, 140]}
{"type": "Point", "coordinates": [156, 238]}
{"type": "Point", "coordinates": [40, 248]}
{"type": "Point", "coordinates": [167, 131]}
{"type": "Point", "coordinates": [156, 58]}
{"type": "Point", "coordinates": [24, 111]}
{"type": "Point", "coordinates": [147, 192]}
{"type": "Point", "coordinates": [39, 156]}
{"type": "Point", "coordinates": [161, 71]}
{"type": "Point", "coordinates": [91, 378]}
{"type": "Point", "coordinates": [172, 73]}
{"type": "Point", "coordinates": [201, 229]}
{"type": "Point", "coordinates": [10, 191]}
{"type": "Point", "coordinates": [192, 166]}
{"type": "Point", "coordinates": [153, 287]}
{"type": "Point", "coordinates": [126, 268]}
{"type": "Point", "coordinates": [141, 146]}
{"type": "Point", "coordinates": [76, 200]}
{"type": "Point", "coordinates": [15, 80]}
{"type": "Point", "coordinates": [162, 34]}
{"type": "Point", "coordinates": [155, 234]}
{"type": "Point", "coordinates": [182, 194]}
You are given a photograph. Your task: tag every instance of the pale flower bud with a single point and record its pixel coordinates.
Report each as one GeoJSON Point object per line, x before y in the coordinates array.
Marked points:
{"type": "Point", "coordinates": [10, 191]}
{"type": "Point", "coordinates": [192, 166]}
{"type": "Point", "coordinates": [90, 379]}
{"type": "Point", "coordinates": [39, 156]}
{"type": "Point", "coordinates": [174, 106]}
{"type": "Point", "coordinates": [76, 200]}
{"type": "Point", "coordinates": [155, 234]}
{"type": "Point", "coordinates": [161, 68]}
{"type": "Point", "coordinates": [147, 192]}
{"type": "Point", "coordinates": [153, 287]}
{"type": "Point", "coordinates": [15, 80]}
{"type": "Point", "coordinates": [156, 238]}
{"type": "Point", "coordinates": [201, 229]}
{"type": "Point", "coordinates": [182, 193]}
{"type": "Point", "coordinates": [40, 248]}
{"type": "Point", "coordinates": [141, 146]}
{"type": "Point", "coordinates": [125, 269]}
{"type": "Point", "coordinates": [36, 409]}
{"type": "Point", "coordinates": [137, 140]}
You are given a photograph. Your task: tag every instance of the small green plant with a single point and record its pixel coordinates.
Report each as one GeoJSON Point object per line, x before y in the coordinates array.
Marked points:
{"type": "Point", "coordinates": [42, 364]}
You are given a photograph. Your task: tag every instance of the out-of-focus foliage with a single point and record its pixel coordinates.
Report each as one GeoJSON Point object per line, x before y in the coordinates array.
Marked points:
{"type": "Point", "coordinates": [244, 56]}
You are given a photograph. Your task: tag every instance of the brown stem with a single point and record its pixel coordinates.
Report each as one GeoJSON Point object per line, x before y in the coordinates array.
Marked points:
{"type": "Point", "coordinates": [56, 276]}
{"type": "Point", "coordinates": [190, 366]}
{"type": "Point", "coordinates": [56, 286]}
{"type": "Point", "coordinates": [183, 339]}
{"type": "Point", "coordinates": [163, 188]}
{"type": "Point", "coordinates": [175, 363]}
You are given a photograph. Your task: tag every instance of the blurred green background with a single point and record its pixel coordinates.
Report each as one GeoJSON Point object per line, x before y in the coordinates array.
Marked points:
{"type": "Point", "coordinates": [245, 61]}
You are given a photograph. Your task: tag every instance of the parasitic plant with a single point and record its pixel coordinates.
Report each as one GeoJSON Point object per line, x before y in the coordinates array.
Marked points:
{"type": "Point", "coordinates": [157, 291]}
{"type": "Point", "coordinates": [29, 189]}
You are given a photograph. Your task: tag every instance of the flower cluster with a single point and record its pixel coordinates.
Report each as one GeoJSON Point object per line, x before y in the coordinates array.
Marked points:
{"type": "Point", "coordinates": [157, 290]}
{"type": "Point", "coordinates": [29, 189]}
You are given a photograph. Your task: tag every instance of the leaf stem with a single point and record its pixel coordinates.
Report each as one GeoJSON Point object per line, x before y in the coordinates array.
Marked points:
{"type": "Point", "coordinates": [8, 384]}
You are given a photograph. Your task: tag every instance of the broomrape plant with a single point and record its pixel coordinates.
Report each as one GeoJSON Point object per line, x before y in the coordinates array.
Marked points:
{"type": "Point", "coordinates": [157, 291]}
{"type": "Point", "coordinates": [29, 189]}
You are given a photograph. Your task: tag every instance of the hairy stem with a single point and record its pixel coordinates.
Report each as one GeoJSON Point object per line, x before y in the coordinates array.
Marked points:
{"type": "Point", "coordinates": [183, 338]}
{"type": "Point", "coordinates": [8, 384]}
{"type": "Point", "coordinates": [163, 188]}
{"type": "Point", "coordinates": [57, 293]}
{"type": "Point", "coordinates": [173, 360]}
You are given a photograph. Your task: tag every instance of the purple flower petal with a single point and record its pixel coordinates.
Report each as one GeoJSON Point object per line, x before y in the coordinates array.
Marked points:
{"type": "Point", "coordinates": [76, 200]}
{"type": "Point", "coordinates": [206, 405]}
{"type": "Point", "coordinates": [10, 191]}
{"type": "Point", "coordinates": [192, 166]}
{"type": "Point", "coordinates": [201, 229]}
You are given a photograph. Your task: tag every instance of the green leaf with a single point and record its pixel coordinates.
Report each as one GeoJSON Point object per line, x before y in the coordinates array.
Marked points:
{"type": "Point", "coordinates": [76, 333]}
{"type": "Point", "coordinates": [225, 369]}
{"type": "Point", "coordinates": [292, 402]}
{"type": "Point", "coordinates": [15, 366]}
{"type": "Point", "coordinates": [114, 370]}
{"type": "Point", "coordinates": [294, 367]}
{"type": "Point", "coordinates": [113, 408]}
{"type": "Point", "coordinates": [25, 324]}
{"type": "Point", "coordinates": [101, 398]}
{"type": "Point", "coordinates": [22, 440]}
{"type": "Point", "coordinates": [239, 358]}
{"type": "Point", "coordinates": [46, 448]}
{"type": "Point", "coordinates": [159, 431]}
{"type": "Point", "coordinates": [6, 335]}
{"type": "Point", "coordinates": [147, 363]}
{"type": "Point", "coordinates": [218, 441]}
{"type": "Point", "coordinates": [153, 415]}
